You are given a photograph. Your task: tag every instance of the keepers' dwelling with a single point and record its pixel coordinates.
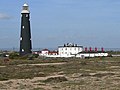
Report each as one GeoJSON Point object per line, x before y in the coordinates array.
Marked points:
{"type": "Point", "coordinates": [73, 50]}
{"type": "Point", "coordinates": [69, 50]}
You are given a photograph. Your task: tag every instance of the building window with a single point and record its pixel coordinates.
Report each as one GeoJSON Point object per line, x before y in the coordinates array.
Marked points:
{"type": "Point", "coordinates": [75, 48]}
{"type": "Point", "coordinates": [22, 50]}
{"type": "Point", "coordinates": [23, 27]}
{"type": "Point", "coordinates": [65, 48]}
{"type": "Point", "coordinates": [26, 15]}
{"type": "Point", "coordinates": [21, 38]}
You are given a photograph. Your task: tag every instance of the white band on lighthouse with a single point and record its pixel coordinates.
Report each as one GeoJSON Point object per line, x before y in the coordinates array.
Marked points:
{"type": "Point", "coordinates": [25, 9]}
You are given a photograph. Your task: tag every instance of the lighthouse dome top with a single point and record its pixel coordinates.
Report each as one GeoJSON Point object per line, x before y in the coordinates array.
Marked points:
{"type": "Point", "coordinates": [25, 8]}
{"type": "Point", "coordinates": [25, 5]}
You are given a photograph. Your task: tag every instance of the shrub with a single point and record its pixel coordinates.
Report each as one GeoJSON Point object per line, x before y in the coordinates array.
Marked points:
{"type": "Point", "coordinates": [35, 55]}
{"type": "Point", "coordinates": [55, 79]}
{"type": "Point", "coordinates": [13, 55]}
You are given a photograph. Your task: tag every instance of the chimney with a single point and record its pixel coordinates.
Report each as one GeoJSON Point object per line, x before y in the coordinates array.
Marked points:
{"type": "Point", "coordinates": [102, 49]}
{"type": "Point", "coordinates": [96, 49]}
{"type": "Point", "coordinates": [86, 49]}
{"type": "Point", "coordinates": [90, 49]}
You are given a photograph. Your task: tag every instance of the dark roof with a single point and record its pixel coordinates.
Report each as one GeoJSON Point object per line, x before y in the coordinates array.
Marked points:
{"type": "Point", "coordinates": [70, 46]}
{"type": "Point", "coordinates": [45, 50]}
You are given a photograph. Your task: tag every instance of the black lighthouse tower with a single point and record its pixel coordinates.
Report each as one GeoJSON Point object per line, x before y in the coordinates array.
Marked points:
{"type": "Point", "coordinates": [25, 37]}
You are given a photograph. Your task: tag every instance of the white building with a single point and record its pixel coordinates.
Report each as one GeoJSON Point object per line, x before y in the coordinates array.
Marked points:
{"type": "Point", "coordinates": [44, 52]}
{"type": "Point", "coordinates": [69, 50]}
{"type": "Point", "coordinates": [48, 53]}
{"type": "Point", "coordinates": [73, 50]}
{"type": "Point", "coordinates": [92, 54]}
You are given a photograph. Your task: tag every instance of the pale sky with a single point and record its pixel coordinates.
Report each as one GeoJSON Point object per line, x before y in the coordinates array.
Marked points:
{"type": "Point", "coordinates": [92, 23]}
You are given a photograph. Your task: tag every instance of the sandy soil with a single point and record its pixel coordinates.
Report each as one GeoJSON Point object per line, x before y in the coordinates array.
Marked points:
{"type": "Point", "coordinates": [42, 64]}
{"type": "Point", "coordinates": [26, 84]}
{"type": "Point", "coordinates": [99, 80]}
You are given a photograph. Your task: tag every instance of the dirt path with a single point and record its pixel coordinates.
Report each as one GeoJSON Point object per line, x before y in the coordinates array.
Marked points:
{"type": "Point", "coordinates": [2, 66]}
{"type": "Point", "coordinates": [42, 64]}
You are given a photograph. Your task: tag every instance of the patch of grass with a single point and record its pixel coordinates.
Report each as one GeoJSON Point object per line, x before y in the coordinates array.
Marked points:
{"type": "Point", "coordinates": [56, 88]}
{"type": "Point", "coordinates": [21, 86]}
{"type": "Point", "coordinates": [23, 72]}
{"type": "Point", "coordinates": [100, 75]}
{"type": "Point", "coordinates": [39, 88]}
{"type": "Point", "coordinates": [55, 80]}
{"type": "Point", "coordinates": [82, 67]}
{"type": "Point", "coordinates": [74, 83]}
{"type": "Point", "coordinates": [85, 75]}
{"type": "Point", "coordinates": [4, 76]}
{"type": "Point", "coordinates": [74, 65]}
{"type": "Point", "coordinates": [2, 87]}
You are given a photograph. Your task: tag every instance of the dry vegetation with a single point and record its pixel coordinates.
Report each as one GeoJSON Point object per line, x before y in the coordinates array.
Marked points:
{"type": "Point", "coordinates": [61, 74]}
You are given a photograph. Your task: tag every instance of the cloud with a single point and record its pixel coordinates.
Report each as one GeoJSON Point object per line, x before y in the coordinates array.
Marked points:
{"type": "Point", "coordinates": [4, 16]}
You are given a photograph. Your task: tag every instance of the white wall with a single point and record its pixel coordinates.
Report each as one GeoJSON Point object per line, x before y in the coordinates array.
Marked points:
{"type": "Point", "coordinates": [69, 51]}
{"type": "Point", "coordinates": [44, 52]}
{"type": "Point", "coordinates": [83, 55]}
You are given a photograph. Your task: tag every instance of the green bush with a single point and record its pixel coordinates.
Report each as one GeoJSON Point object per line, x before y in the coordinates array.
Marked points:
{"type": "Point", "coordinates": [55, 79]}
{"type": "Point", "coordinates": [34, 55]}
{"type": "Point", "coordinates": [13, 55]}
